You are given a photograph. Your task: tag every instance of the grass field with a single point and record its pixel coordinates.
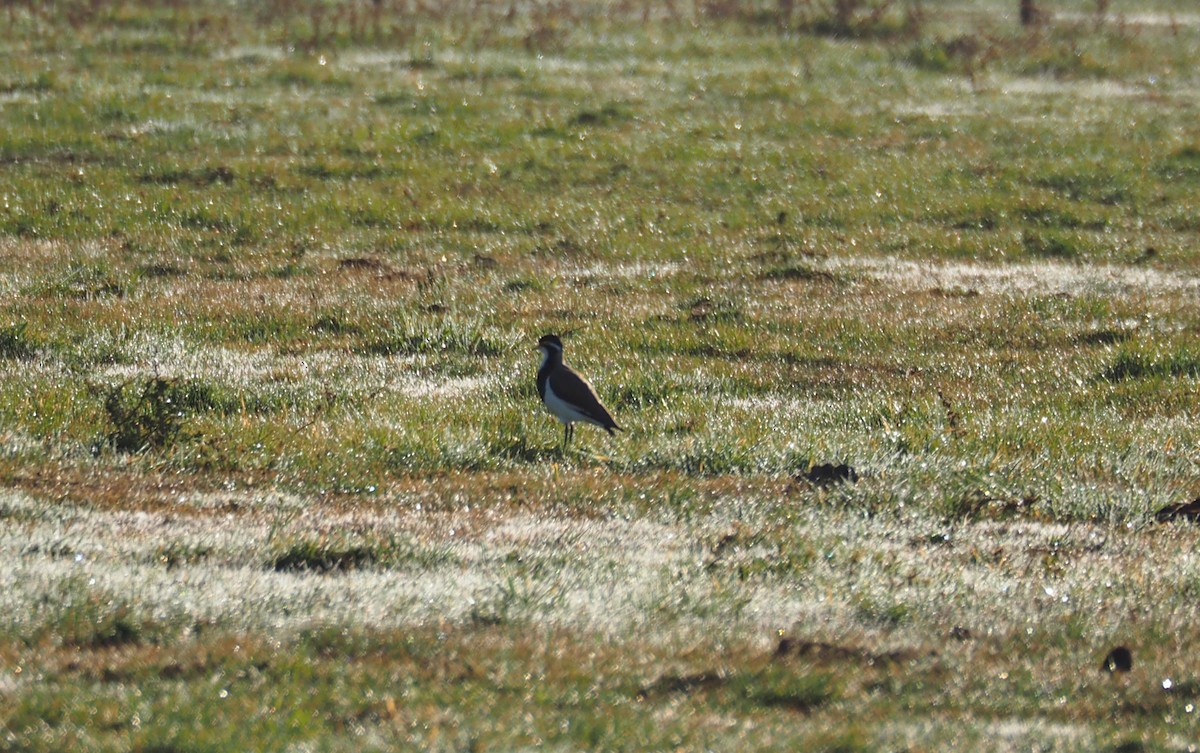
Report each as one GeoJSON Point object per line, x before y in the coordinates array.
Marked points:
{"type": "Point", "coordinates": [274, 471]}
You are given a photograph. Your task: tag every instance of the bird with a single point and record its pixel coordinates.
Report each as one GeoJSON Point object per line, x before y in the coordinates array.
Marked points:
{"type": "Point", "coordinates": [566, 393]}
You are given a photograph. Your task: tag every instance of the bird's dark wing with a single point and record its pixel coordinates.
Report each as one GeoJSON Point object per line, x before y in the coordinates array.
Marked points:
{"type": "Point", "coordinates": [570, 387]}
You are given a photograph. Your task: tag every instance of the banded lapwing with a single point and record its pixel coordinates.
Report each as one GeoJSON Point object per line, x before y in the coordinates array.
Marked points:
{"type": "Point", "coordinates": [566, 393]}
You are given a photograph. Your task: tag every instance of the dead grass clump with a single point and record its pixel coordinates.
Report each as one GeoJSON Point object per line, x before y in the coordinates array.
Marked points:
{"type": "Point", "coordinates": [981, 505]}
{"type": "Point", "coordinates": [201, 177]}
{"type": "Point", "coordinates": [968, 54]}
{"type": "Point", "coordinates": [822, 652]}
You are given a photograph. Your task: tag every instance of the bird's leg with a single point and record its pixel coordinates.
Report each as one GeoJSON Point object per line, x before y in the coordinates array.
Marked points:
{"type": "Point", "coordinates": [566, 435]}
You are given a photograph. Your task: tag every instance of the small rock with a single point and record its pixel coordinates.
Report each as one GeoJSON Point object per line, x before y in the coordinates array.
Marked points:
{"type": "Point", "coordinates": [939, 539]}
{"type": "Point", "coordinates": [1120, 659]}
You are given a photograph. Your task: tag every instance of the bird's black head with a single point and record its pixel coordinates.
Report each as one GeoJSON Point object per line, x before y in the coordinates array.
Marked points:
{"type": "Point", "coordinates": [550, 342]}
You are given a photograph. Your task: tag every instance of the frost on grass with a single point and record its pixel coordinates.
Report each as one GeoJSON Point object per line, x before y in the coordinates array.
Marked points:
{"type": "Point", "coordinates": [1138, 18]}
{"type": "Point", "coordinates": [193, 563]}
{"type": "Point", "coordinates": [15, 444]}
{"type": "Point", "coordinates": [23, 256]}
{"type": "Point", "coordinates": [148, 355]}
{"type": "Point", "coordinates": [171, 358]}
{"type": "Point", "coordinates": [937, 109]}
{"type": "Point", "coordinates": [1055, 87]}
{"type": "Point", "coordinates": [632, 270]}
{"type": "Point", "coordinates": [1043, 278]}
{"type": "Point", "coordinates": [744, 568]}
{"type": "Point", "coordinates": [449, 387]}
{"type": "Point", "coordinates": [247, 53]}
{"type": "Point", "coordinates": [1016, 731]}
{"type": "Point", "coordinates": [358, 60]}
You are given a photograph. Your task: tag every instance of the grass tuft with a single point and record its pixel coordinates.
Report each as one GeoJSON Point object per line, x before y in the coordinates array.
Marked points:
{"type": "Point", "coordinates": [413, 336]}
{"type": "Point", "coordinates": [84, 282]}
{"type": "Point", "coordinates": [784, 688]}
{"type": "Point", "coordinates": [1048, 245]}
{"type": "Point", "coordinates": [1130, 365]}
{"type": "Point", "coordinates": [148, 414]}
{"type": "Point", "coordinates": [15, 342]}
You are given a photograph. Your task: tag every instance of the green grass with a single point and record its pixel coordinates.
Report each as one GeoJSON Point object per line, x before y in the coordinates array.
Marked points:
{"type": "Point", "coordinates": [275, 474]}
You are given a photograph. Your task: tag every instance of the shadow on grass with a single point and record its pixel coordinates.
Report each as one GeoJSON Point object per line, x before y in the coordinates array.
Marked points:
{"type": "Point", "coordinates": [771, 687]}
{"type": "Point", "coordinates": [320, 557]}
{"type": "Point", "coordinates": [1130, 365]}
